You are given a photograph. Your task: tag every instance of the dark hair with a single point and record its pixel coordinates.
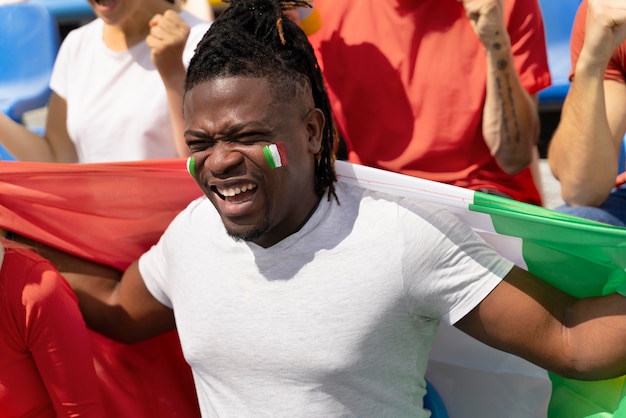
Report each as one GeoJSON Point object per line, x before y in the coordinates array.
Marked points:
{"type": "Point", "coordinates": [252, 38]}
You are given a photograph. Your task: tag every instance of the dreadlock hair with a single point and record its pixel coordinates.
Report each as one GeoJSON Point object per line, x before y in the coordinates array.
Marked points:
{"type": "Point", "coordinates": [252, 38]}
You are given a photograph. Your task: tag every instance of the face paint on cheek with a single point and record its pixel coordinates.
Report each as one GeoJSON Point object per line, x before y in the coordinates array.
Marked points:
{"type": "Point", "coordinates": [275, 155]}
{"type": "Point", "coordinates": [191, 166]}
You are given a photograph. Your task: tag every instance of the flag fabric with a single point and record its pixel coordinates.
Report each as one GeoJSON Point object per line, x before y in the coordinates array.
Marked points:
{"type": "Point", "coordinates": [112, 212]}
{"type": "Point", "coordinates": [581, 257]}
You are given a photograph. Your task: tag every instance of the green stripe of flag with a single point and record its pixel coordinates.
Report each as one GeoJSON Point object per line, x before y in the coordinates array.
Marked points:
{"type": "Point", "coordinates": [581, 257]}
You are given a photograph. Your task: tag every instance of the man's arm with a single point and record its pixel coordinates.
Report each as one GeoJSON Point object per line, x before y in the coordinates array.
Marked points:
{"type": "Point", "coordinates": [113, 303]}
{"type": "Point", "coordinates": [584, 150]}
{"type": "Point", "coordinates": [123, 310]}
{"type": "Point", "coordinates": [510, 115]}
{"type": "Point", "coordinates": [54, 146]}
{"type": "Point", "coordinates": [167, 39]}
{"type": "Point", "coordinates": [581, 339]}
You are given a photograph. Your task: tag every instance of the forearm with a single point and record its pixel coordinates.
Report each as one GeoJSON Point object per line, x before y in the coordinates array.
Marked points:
{"type": "Point", "coordinates": [167, 39]}
{"type": "Point", "coordinates": [120, 308]}
{"type": "Point", "coordinates": [510, 118]}
{"type": "Point", "coordinates": [582, 153]}
{"type": "Point", "coordinates": [98, 303]}
{"type": "Point", "coordinates": [594, 335]}
{"type": "Point", "coordinates": [174, 86]}
{"type": "Point", "coordinates": [22, 143]}
{"type": "Point", "coordinates": [94, 284]}
{"type": "Point", "coordinates": [577, 338]}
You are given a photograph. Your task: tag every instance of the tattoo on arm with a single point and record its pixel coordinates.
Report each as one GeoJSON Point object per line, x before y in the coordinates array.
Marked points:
{"type": "Point", "coordinates": [502, 65]}
{"type": "Point", "coordinates": [505, 118]}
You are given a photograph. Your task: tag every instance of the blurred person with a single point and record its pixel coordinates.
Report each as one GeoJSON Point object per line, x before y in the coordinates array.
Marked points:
{"type": "Point", "coordinates": [117, 87]}
{"type": "Point", "coordinates": [200, 8]}
{"type": "Point", "coordinates": [47, 367]}
{"type": "Point", "coordinates": [439, 89]}
{"type": "Point", "coordinates": [584, 151]}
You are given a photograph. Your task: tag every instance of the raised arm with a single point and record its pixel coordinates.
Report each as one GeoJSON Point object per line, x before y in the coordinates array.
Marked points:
{"type": "Point", "coordinates": [510, 115]}
{"type": "Point", "coordinates": [584, 150]}
{"type": "Point", "coordinates": [580, 339]}
{"type": "Point", "coordinates": [167, 39]}
{"type": "Point", "coordinates": [54, 146]}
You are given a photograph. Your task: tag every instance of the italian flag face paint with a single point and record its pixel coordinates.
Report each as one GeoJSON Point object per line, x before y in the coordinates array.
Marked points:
{"type": "Point", "coordinates": [191, 166]}
{"type": "Point", "coordinates": [275, 155]}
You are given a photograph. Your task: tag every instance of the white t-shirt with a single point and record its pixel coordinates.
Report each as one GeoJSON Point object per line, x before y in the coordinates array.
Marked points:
{"type": "Point", "coordinates": [116, 103]}
{"type": "Point", "coordinates": [334, 320]}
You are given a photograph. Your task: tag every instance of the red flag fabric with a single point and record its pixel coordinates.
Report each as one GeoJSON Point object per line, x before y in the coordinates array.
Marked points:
{"type": "Point", "coordinates": [110, 213]}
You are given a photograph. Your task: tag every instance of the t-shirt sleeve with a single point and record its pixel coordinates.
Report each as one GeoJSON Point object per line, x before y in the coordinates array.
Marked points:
{"type": "Point", "coordinates": [448, 269]}
{"type": "Point", "coordinates": [56, 335]}
{"type": "Point", "coordinates": [160, 265]}
{"type": "Point", "coordinates": [528, 45]}
{"type": "Point", "coordinates": [153, 267]}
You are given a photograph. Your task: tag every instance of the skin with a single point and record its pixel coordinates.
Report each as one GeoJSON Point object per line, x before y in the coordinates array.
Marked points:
{"type": "Point", "coordinates": [228, 120]}
{"type": "Point", "coordinates": [584, 151]}
{"type": "Point", "coordinates": [228, 150]}
{"type": "Point", "coordinates": [127, 22]}
{"type": "Point", "coordinates": [510, 116]}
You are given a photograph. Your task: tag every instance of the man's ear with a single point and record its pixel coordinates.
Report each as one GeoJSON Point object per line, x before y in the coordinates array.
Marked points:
{"type": "Point", "coordinates": [315, 121]}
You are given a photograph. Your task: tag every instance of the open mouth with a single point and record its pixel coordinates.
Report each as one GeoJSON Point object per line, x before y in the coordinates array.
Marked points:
{"type": "Point", "coordinates": [235, 194]}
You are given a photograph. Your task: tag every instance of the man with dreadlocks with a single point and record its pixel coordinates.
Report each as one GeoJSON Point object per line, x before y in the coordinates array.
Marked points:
{"type": "Point", "coordinates": [296, 294]}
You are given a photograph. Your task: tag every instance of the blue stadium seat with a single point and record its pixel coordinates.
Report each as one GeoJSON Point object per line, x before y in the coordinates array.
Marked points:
{"type": "Point", "coordinates": [434, 403]}
{"type": "Point", "coordinates": [29, 42]}
{"type": "Point", "coordinates": [65, 11]}
{"type": "Point", "coordinates": [558, 17]}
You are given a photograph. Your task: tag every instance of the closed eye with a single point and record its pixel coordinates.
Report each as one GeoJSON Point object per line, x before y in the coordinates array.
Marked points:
{"type": "Point", "coordinates": [199, 145]}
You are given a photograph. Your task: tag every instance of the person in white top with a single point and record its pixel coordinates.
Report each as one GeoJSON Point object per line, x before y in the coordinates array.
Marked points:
{"type": "Point", "coordinates": [117, 87]}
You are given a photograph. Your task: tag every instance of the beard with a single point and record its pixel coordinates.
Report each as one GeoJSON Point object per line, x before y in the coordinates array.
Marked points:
{"type": "Point", "coordinates": [252, 234]}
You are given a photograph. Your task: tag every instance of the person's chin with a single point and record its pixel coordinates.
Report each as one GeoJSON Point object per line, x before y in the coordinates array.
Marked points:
{"type": "Point", "coordinates": [249, 234]}
{"type": "Point", "coordinates": [245, 230]}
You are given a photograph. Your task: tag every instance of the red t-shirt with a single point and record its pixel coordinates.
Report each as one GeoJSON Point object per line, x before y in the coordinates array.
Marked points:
{"type": "Point", "coordinates": [617, 65]}
{"type": "Point", "coordinates": [46, 363]}
{"type": "Point", "coordinates": [407, 81]}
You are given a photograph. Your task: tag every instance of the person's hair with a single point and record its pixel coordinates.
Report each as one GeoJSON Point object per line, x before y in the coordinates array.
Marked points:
{"type": "Point", "coordinates": [252, 38]}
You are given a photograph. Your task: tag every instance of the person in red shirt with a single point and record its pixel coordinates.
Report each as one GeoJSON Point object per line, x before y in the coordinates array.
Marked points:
{"type": "Point", "coordinates": [584, 152]}
{"type": "Point", "coordinates": [46, 362]}
{"type": "Point", "coordinates": [438, 89]}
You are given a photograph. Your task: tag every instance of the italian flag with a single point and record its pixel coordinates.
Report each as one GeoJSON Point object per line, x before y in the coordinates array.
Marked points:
{"type": "Point", "coordinates": [275, 155]}
{"type": "Point", "coordinates": [112, 212]}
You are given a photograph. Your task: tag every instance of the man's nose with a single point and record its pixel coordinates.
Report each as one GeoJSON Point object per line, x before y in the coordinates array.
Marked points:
{"type": "Point", "coordinates": [225, 156]}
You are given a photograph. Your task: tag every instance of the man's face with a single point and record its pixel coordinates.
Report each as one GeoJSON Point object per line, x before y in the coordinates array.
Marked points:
{"type": "Point", "coordinates": [228, 121]}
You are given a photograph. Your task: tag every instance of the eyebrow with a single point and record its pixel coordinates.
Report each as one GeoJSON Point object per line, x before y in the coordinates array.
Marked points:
{"type": "Point", "coordinates": [231, 130]}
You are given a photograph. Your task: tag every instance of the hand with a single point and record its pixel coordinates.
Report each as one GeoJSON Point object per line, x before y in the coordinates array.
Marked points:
{"type": "Point", "coordinates": [167, 39]}
{"type": "Point", "coordinates": [487, 19]}
{"type": "Point", "coordinates": [605, 29]}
